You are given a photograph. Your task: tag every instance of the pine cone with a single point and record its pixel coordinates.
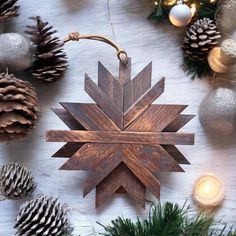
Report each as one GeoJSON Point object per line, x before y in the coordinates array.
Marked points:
{"type": "Point", "coordinates": [8, 9]}
{"type": "Point", "coordinates": [42, 216]}
{"type": "Point", "coordinates": [16, 181]}
{"type": "Point", "coordinates": [201, 37]}
{"type": "Point", "coordinates": [18, 107]}
{"type": "Point", "coordinates": [50, 59]}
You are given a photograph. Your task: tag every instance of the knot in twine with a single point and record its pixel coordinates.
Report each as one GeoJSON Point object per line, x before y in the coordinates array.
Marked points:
{"type": "Point", "coordinates": [74, 36]}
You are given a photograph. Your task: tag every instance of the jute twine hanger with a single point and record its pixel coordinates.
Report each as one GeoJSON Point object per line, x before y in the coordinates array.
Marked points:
{"type": "Point", "coordinates": [121, 53]}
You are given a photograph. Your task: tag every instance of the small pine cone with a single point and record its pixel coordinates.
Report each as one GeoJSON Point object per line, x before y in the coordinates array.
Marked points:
{"type": "Point", "coordinates": [43, 216]}
{"type": "Point", "coordinates": [16, 181]}
{"type": "Point", "coordinates": [201, 37]}
{"type": "Point", "coordinates": [18, 107]}
{"type": "Point", "coordinates": [50, 59]}
{"type": "Point", "coordinates": [8, 9]}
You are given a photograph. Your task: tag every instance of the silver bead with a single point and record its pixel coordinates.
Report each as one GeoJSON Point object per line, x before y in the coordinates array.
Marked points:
{"type": "Point", "coordinates": [217, 112]}
{"type": "Point", "coordinates": [16, 52]}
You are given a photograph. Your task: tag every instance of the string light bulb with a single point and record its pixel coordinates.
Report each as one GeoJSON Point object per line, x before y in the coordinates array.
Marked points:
{"type": "Point", "coordinates": [170, 2]}
{"type": "Point", "coordinates": [193, 9]}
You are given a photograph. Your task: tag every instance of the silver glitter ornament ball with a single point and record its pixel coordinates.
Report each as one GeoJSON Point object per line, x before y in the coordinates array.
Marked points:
{"type": "Point", "coordinates": [217, 112]}
{"type": "Point", "coordinates": [16, 52]}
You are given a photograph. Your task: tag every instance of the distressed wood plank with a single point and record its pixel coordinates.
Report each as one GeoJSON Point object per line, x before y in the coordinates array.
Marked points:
{"type": "Point", "coordinates": [154, 158]}
{"type": "Point", "coordinates": [102, 170]}
{"type": "Point", "coordinates": [146, 177]}
{"type": "Point", "coordinates": [67, 119]}
{"type": "Point", "coordinates": [121, 177]}
{"type": "Point", "coordinates": [68, 150]}
{"type": "Point", "coordinates": [176, 154]}
{"type": "Point", "coordinates": [136, 87]}
{"type": "Point", "coordinates": [144, 102]}
{"type": "Point", "coordinates": [89, 156]}
{"type": "Point", "coordinates": [178, 123]}
{"type": "Point", "coordinates": [125, 72]}
{"type": "Point", "coordinates": [107, 105]}
{"type": "Point", "coordinates": [120, 137]}
{"type": "Point", "coordinates": [90, 116]}
{"type": "Point", "coordinates": [105, 80]}
{"type": "Point", "coordinates": [156, 118]}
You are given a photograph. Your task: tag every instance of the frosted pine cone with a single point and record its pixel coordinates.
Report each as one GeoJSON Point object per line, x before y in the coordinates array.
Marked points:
{"type": "Point", "coordinates": [43, 216]}
{"type": "Point", "coordinates": [201, 37]}
{"type": "Point", "coordinates": [16, 181]}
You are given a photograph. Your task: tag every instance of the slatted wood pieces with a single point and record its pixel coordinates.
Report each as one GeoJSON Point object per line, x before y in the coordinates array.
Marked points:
{"type": "Point", "coordinates": [123, 139]}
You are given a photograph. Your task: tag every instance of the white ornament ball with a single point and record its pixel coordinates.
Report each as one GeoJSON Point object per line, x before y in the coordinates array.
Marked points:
{"type": "Point", "coordinates": [16, 52]}
{"type": "Point", "coordinates": [180, 15]}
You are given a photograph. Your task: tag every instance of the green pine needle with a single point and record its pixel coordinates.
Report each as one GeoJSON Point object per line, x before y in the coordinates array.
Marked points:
{"type": "Point", "coordinates": [160, 13]}
{"type": "Point", "coordinates": [168, 220]}
{"type": "Point", "coordinates": [69, 231]}
{"type": "Point", "coordinates": [196, 69]}
{"type": "Point", "coordinates": [207, 9]}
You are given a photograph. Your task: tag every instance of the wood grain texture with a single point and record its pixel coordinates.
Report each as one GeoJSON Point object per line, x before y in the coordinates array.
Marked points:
{"type": "Point", "coordinates": [145, 41]}
{"type": "Point", "coordinates": [67, 119]}
{"type": "Point", "coordinates": [137, 87]}
{"type": "Point", "coordinates": [68, 150]}
{"type": "Point", "coordinates": [121, 176]}
{"type": "Point", "coordinates": [103, 101]}
{"type": "Point", "coordinates": [156, 118]}
{"type": "Point", "coordinates": [146, 177]}
{"type": "Point", "coordinates": [144, 102]}
{"type": "Point", "coordinates": [90, 116]}
{"type": "Point", "coordinates": [155, 158]}
{"type": "Point", "coordinates": [120, 137]}
{"type": "Point", "coordinates": [89, 156]}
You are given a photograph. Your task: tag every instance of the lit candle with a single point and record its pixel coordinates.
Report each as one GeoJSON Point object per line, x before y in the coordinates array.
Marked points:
{"type": "Point", "coordinates": [208, 191]}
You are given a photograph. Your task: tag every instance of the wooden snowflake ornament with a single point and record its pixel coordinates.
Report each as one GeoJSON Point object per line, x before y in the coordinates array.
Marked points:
{"type": "Point", "coordinates": [123, 139]}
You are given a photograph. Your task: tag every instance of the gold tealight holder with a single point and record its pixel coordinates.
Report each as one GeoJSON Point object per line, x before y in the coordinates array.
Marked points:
{"type": "Point", "coordinates": [208, 191]}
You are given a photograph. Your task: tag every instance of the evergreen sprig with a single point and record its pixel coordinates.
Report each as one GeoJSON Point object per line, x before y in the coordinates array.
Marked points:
{"type": "Point", "coordinates": [168, 220]}
{"type": "Point", "coordinates": [207, 10]}
{"type": "Point", "coordinates": [160, 12]}
{"type": "Point", "coordinates": [197, 69]}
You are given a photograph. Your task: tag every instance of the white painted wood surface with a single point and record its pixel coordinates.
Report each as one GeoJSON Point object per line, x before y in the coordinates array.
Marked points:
{"type": "Point", "coordinates": [124, 21]}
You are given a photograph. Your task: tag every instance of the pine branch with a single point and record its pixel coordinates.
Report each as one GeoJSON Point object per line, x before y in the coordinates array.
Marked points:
{"type": "Point", "coordinates": [160, 13]}
{"type": "Point", "coordinates": [196, 69]}
{"type": "Point", "coordinates": [168, 220]}
{"type": "Point", "coordinates": [207, 9]}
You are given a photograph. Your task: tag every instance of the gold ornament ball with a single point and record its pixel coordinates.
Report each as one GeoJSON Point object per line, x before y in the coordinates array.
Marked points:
{"type": "Point", "coordinates": [180, 15]}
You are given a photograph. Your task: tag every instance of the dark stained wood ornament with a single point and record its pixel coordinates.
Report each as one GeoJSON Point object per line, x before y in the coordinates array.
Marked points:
{"type": "Point", "coordinates": [123, 139]}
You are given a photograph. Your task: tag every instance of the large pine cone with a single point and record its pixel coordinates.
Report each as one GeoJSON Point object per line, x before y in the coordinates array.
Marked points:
{"type": "Point", "coordinates": [8, 9]}
{"type": "Point", "coordinates": [42, 216]}
{"type": "Point", "coordinates": [50, 59]}
{"type": "Point", "coordinates": [201, 37]}
{"type": "Point", "coordinates": [18, 107]}
{"type": "Point", "coordinates": [16, 181]}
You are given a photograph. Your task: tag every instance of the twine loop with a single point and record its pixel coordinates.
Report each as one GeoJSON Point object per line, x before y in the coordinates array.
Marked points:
{"type": "Point", "coordinates": [121, 54]}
